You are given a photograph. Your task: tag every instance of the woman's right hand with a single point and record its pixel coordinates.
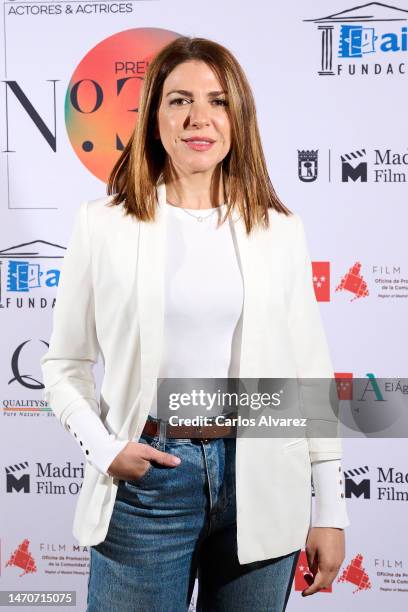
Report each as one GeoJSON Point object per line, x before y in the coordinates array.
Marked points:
{"type": "Point", "coordinates": [133, 461]}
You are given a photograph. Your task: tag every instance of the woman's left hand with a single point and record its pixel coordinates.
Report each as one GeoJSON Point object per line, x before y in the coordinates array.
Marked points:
{"type": "Point", "coordinates": [325, 552]}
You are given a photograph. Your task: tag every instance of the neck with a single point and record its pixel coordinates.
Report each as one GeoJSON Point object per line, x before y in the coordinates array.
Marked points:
{"type": "Point", "coordinates": [199, 190]}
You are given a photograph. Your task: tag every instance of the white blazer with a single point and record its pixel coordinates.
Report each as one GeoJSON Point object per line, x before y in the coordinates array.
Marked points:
{"type": "Point", "coordinates": [110, 301]}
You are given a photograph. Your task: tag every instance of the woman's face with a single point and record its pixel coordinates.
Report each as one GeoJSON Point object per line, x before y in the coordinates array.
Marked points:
{"type": "Point", "coordinates": [192, 118]}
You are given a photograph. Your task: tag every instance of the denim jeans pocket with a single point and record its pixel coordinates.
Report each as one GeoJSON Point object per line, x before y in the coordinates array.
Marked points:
{"type": "Point", "coordinates": [153, 466]}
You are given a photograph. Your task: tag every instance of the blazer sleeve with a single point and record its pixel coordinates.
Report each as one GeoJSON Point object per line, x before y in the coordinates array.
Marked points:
{"type": "Point", "coordinates": [313, 363]}
{"type": "Point", "coordinates": [67, 366]}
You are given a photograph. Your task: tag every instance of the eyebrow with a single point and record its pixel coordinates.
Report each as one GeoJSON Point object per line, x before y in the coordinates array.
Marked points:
{"type": "Point", "coordinates": [184, 92]}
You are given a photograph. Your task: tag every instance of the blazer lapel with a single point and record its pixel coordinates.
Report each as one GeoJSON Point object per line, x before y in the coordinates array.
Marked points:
{"type": "Point", "coordinates": [150, 297]}
{"type": "Point", "coordinates": [253, 270]}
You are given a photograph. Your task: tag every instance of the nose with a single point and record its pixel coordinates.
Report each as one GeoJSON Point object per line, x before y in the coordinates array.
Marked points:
{"type": "Point", "coordinates": [198, 115]}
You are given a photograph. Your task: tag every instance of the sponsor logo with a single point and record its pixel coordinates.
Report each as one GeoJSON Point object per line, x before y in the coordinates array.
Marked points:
{"type": "Point", "coordinates": [365, 40]}
{"type": "Point", "coordinates": [48, 558]}
{"type": "Point", "coordinates": [321, 280]}
{"type": "Point", "coordinates": [44, 478]}
{"type": "Point", "coordinates": [307, 166]}
{"type": "Point", "coordinates": [360, 488]}
{"type": "Point", "coordinates": [353, 282]}
{"type": "Point", "coordinates": [385, 166]}
{"type": "Point", "coordinates": [356, 575]}
{"type": "Point", "coordinates": [25, 271]}
{"type": "Point", "coordinates": [23, 559]}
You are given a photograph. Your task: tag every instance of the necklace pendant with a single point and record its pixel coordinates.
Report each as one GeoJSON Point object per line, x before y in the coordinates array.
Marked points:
{"type": "Point", "coordinates": [199, 219]}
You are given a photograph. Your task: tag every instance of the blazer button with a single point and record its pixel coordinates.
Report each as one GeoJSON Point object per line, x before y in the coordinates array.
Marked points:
{"type": "Point", "coordinates": [342, 495]}
{"type": "Point", "coordinates": [80, 442]}
{"type": "Point", "coordinates": [87, 452]}
{"type": "Point", "coordinates": [75, 435]}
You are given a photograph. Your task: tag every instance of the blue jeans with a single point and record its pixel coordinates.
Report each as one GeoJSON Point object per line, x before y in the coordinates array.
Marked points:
{"type": "Point", "coordinates": [175, 523]}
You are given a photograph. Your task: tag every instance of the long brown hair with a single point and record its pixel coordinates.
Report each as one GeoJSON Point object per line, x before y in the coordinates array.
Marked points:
{"type": "Point", "coordinates": [247, 185]}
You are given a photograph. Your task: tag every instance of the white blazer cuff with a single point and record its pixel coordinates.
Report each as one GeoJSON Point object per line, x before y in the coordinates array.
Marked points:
{"type": "Point", "coordinates": [330, 508]}
{"type": "Point", "coordinates": [98, 445]}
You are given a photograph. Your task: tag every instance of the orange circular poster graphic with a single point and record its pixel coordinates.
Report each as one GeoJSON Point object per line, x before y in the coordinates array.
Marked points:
{"type": "Point", "coordinates": [102, 98]}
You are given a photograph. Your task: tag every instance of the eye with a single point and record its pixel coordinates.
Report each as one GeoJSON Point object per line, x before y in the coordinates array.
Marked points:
{"type": "Point", "coordinates": [176, 101]}
{"type": "Point", "coordinates": [180, 102]}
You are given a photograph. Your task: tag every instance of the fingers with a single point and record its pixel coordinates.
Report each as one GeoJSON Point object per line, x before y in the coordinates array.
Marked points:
{"type": "Point", "coordinates": [322, 580]}
{"type": "Point", "coordinates": [161, 457]}
{"type": "Point", "coordinates": [312, 559]}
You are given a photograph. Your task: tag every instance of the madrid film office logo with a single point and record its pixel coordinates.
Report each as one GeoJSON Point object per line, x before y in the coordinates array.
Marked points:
{"type": "Point", "coordinates": [390, 485]}
{"type": "Point", "coordinates": [353, 165]}
{"type": "Point", "coordinates": [17, 477]}
{"type": "Point", "coordinates": [356, 483]}
{"type": "Point", "coordinates": [369, 39]}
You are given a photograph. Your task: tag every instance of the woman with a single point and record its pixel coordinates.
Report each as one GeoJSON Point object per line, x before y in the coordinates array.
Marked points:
{"type": "Point", "coordinates": [170, 276]}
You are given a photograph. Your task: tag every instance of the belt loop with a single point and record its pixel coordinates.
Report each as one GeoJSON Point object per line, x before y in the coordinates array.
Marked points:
{"type": "Point", "coordinates": [162, 433]}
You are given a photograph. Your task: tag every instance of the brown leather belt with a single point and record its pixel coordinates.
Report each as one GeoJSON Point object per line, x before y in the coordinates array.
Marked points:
{"type": "Point", "coordinates": [204, 433]}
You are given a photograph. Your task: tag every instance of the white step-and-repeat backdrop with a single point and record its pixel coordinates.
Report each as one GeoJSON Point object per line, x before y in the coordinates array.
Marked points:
{"type": "Point", "coordinates": [330, 81]}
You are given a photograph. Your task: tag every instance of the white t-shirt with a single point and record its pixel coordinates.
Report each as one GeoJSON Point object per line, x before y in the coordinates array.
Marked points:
{"type": "Point", "coordinates": [202, 338]}
{"type": "Point", "coordinates": [203, 300]}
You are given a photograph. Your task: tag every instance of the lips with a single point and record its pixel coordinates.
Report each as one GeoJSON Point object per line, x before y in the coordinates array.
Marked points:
{"type": "Point", "coordinates": [199, 143]}
{"type": "Point", "coordinates": [199, 139]}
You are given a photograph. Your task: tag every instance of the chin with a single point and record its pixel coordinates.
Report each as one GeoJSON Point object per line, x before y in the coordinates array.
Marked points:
{"type": "Point", "coordinates": [202, 168]}
{"type": "Point", "coordinates": [201, 165]}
